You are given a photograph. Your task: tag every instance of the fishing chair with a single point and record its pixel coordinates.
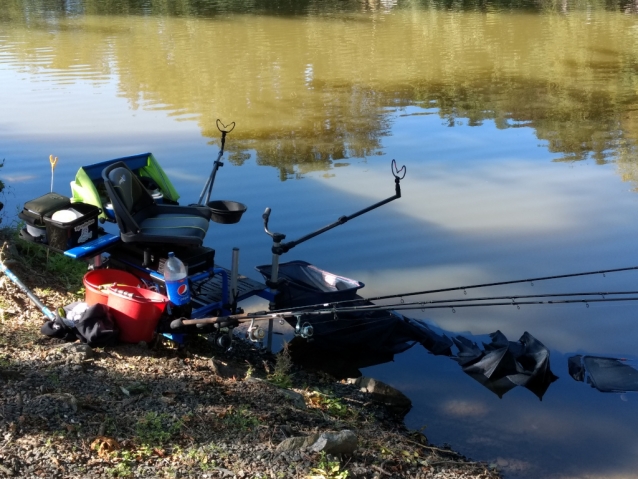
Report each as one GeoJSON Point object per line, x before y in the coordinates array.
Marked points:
{"type": "Point", "coordinates": [142, 220]}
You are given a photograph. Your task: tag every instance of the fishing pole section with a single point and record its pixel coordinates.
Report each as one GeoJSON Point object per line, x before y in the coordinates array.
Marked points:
{"type": "Point", "coordinates": [465, 288]}
{"type": "Point", "coordinates": [304, 319]}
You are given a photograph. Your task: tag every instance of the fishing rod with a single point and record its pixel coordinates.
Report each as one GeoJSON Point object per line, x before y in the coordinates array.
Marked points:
{"type": "Point", "coordinates": [417, 304]}
{"type": "Point", "coordinates": [463, 288]}
{"type": "Point", "coordinates": [307, 331]}
{"type": "Point", "coordinates": [517, 303]}
{"type": "Point", "coordinates": [263, 315]}
{"type": "Point", "coordinates": [503, 283]}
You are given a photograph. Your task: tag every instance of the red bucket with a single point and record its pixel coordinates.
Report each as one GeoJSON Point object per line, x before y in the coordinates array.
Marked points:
{"type": "Point", "coordinates": [136, 312]}
{"type": "Point", "coordinates": [98, 281]}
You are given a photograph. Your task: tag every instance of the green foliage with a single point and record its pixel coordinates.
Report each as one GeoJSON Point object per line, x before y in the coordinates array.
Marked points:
{"type": "Point", "coordinates": [281, 380]}
{"type": "Point", "coordinates": [240, 418]}
{"type": "Point", "coordinates": [335, 407]}
{"type": "Point", "coordinates": [332, 405]}
{"type": "Point", "coordinates": [6, 362]}
{"type": "Point", "coordinates": [283, 365]}
{"type": "Point", "coordinates": [203, 457]}
{"type": "Point", "coordinates": [121, 469]}
{"type": "Point", "coordinates": [329, 469]}
{"type": "Point", "coordinates": [36, 258]}
{"type": "Point", "coordinates": [156, 429]}
{"type": "Point", "coordinates": [54, 379]}
{"type": "Point", "coordinates": [170, 473]}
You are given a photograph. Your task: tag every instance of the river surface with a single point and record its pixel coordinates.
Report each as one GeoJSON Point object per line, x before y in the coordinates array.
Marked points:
{"type": "Point", "coordinates": [517, 123]}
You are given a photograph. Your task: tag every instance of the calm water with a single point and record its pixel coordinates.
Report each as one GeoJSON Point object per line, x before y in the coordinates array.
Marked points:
{"type": "Point", "coordinates": [517, 123]}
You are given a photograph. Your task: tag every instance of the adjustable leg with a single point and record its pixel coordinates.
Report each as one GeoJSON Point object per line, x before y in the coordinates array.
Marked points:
{"type": "Point", "coordinates": [147, 258]}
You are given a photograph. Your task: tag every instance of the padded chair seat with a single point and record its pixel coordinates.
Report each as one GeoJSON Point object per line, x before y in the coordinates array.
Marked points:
{"type": "Point", "coordinates": [142, 220]}
{"type": "Point", "coordinates": [174, 225]}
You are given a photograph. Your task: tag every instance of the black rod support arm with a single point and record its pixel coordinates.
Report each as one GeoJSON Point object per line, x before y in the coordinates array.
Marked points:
{"type": "Point", "coordinates": [280, 248]}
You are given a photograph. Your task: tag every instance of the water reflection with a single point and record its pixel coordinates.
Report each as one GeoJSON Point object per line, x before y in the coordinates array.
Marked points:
{"type": "Point", "coordinates": [499, 365]}
{"type": "Point", "coordinates": [360, 340]}
{"type": "Point", "coordinates": [329, 314]}
{"type": "Point", "coordinates": [311, 83]}
{"type": "Point", "coordinates": [604, 374]}
{"type": "Point", "coordinates": [522, 436]}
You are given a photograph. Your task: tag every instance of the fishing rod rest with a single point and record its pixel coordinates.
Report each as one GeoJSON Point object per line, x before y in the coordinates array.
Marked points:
{"type": "Point", "coordinates": [208, 187]}
{"type": "Point", "coordinates": [276, 237]}
{"type": "Point", "coordinates": [279, 248]}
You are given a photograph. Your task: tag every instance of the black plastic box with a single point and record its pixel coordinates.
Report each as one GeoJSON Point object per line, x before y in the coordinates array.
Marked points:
{"type": "Point", "coordinates": [64, 236]}
{"type": "Point", "coordinates": [36, 210]}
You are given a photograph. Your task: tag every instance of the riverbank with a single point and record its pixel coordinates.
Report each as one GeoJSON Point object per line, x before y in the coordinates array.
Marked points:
{"type": "Point", "coordinates": [155, 410]}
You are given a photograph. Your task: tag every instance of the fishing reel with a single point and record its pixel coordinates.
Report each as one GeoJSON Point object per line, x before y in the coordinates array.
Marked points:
{"type": "Point", "coordinates": [222, 338]}
{"type": "Point", "coordinates": [305, 330]}
{"type": "Point", "coordinates": [255, 333]}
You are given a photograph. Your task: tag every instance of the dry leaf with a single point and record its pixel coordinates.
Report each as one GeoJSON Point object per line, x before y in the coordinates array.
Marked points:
{"type": "Point", "coordinates": [105, 446]}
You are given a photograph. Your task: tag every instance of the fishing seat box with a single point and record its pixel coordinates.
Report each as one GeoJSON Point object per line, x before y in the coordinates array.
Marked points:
{"type": "Point", "coordinates": [34, 212]}
{"type": "Point", "coordinates": [64, 236]}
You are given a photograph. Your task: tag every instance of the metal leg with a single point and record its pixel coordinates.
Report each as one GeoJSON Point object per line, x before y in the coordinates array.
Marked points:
{"type": "Point", "coordinates": [274, 276]}
{"type": "Point", "coordinates": [234, 273]}
{"type": "Point", "coordinates": [269, 341]}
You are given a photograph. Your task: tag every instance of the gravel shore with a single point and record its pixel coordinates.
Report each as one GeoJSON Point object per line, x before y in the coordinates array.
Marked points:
{"type": "Point", "coordinates": [156, 410]}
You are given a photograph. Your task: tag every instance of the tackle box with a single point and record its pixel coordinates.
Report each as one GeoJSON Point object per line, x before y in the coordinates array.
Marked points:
{"type": "Point", "coordinates": [66, 235]}
{"type": "Point", "coordinates": [34, 212]}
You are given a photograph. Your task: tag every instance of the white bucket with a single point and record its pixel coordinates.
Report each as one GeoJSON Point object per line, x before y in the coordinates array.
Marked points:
{"type": "Point", "coordinates": [36, 232]}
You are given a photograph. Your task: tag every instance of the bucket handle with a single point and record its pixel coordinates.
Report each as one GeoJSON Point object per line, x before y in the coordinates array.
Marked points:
{"type": "Point", "coordinates": [128, 294]}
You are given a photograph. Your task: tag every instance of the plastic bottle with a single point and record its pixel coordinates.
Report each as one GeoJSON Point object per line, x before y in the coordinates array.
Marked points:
{"type": "Point", "coordinates": [177, 289]}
